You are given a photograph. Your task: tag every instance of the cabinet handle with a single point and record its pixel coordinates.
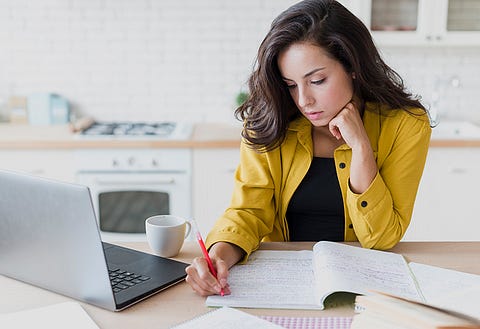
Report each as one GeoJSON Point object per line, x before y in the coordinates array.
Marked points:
{"type": "Point", "coordinates": [458, 171]}
{"type": "Point", "coordinates": [166, 181]}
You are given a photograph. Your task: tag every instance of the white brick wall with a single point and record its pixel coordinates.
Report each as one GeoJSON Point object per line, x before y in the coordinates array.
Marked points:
{"type": "Point", "coordinates": [172, 59]}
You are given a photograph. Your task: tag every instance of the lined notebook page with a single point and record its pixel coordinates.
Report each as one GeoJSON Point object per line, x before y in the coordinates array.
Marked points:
{"type": "Point", "coordinates": [227, 317]}
{"type": "Point", "coordinates": [265, 281]}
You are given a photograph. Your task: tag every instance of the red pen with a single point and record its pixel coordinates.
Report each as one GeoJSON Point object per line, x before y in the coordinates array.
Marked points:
{"type": "Point", "coordinates": [205, 253]}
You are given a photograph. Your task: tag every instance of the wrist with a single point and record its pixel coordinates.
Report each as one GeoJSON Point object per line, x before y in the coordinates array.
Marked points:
{"type": "Point", "coordinates": [363, 169]}
{"type": "Point", "coordinates": [226, 251]}
{"type": "Point", "coordinates": [363, 149]}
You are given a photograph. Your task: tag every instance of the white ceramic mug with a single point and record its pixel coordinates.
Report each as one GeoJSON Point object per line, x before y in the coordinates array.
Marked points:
{"type": "Point", "coordinates": [166, 234]}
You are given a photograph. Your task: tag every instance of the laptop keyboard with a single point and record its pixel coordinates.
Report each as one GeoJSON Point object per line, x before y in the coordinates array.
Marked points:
{"type": "Point", "coordinates": [122, 280]}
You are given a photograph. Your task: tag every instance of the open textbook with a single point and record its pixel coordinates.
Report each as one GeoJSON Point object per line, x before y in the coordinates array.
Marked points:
{"type": "Point", "coordinates": [382, 311]}
{"type": "Point", "coordinates": [304, 279]}
{"type": "Point", "coordinates": [449, 290]}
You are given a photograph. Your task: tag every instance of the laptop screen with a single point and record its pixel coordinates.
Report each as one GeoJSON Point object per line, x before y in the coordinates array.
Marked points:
{"type": "Point", "coordinates": [49, 237]}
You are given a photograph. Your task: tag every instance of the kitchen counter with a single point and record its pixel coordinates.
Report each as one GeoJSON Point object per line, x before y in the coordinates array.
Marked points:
{"type": "Point", "coordinates": [207, 135]}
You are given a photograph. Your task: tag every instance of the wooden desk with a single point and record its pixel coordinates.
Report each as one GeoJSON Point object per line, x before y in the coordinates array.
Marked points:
{"type": "Point", "coordinates": [180, 303]}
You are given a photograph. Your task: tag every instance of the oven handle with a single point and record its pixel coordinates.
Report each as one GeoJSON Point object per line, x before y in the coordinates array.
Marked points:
{"type": "Point", "coordinates": [136, 182]}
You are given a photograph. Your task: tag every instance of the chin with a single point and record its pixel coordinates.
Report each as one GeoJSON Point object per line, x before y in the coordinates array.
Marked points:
{"type": "Point", "coordinates": [319, 123]}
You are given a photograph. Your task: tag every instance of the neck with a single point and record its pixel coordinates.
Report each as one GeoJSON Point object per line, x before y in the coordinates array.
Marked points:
{"type": "Point", "coordinates": [324, 143]}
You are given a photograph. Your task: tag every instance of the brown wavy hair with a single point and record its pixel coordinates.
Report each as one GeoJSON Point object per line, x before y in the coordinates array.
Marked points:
{"type": "Point", "coordinates": [269, 108]}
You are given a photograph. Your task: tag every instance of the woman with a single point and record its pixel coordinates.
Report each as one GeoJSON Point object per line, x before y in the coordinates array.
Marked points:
{"type": "Point", "coordinates": [333, 145]}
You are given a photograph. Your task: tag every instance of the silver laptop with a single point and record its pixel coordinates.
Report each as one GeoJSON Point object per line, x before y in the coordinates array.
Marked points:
{"type": "Point", "coordinates": [49, 238]}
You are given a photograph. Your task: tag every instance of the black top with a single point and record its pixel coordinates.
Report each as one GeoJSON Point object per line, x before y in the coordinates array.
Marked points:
{"type": "Point", "coordinates": [315, 211]}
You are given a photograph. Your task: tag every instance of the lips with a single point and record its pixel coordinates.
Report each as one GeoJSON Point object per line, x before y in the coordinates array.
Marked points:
{"type": "Point", "coordinates": [314, 115]}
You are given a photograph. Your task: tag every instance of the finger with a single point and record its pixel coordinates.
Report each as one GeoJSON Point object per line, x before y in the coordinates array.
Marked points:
{"type": "Point", "coordinates": [334, 130]}
{"type": "Point", "coordinates": [210, 281]}
{"type": "Point", "coordinates": [200, 273]}
{"type": "Point", "coordinates": [196, 284]}
{"type": "Point", "coordinates": [195, 287]}
{"type": "Point", "coordinates": [226, 290]}
{"type": "Point", "coordinates": [222, 272]}
{"type": "Point", "coordinates": [202, 276]}
{"type": "Point", "coordinates": [350, 105]}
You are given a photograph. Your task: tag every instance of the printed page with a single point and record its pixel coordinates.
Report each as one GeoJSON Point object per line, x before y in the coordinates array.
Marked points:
{"type": "Point", "coordinates": [449, 289]}
{"type": "Point", "coordinates": [226, 317]}
{"type": "Point", "coordinates": [341, 267]}
{"type": "Point", "coordinates": [271, 279]}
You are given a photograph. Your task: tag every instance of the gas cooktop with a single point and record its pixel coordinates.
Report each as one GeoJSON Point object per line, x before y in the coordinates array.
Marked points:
{"type": "Point", "coordinates": [154, 130]}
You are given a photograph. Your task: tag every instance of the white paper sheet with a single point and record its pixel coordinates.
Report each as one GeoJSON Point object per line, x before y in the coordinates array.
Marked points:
{"type": "Point", "coordinates": [226, 317]}
{"type": "Point", "coordinates": [58, 316]}
{"type": "Point", "coordinates": [449, 289]}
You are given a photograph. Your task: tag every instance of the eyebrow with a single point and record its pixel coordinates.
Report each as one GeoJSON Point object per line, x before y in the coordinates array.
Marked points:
{"type": "Point", "coordinates": [308, 74]}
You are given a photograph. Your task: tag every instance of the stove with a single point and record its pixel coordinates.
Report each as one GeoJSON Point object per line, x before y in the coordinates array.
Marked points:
{"type": "Point", "coordinates": [131, 184]}
{"type": "Point", "coordinates": [151, 130]}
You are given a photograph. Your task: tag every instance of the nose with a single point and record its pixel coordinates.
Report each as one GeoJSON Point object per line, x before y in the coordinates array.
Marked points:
{"type": "Point", "coordinates": [304, 98]}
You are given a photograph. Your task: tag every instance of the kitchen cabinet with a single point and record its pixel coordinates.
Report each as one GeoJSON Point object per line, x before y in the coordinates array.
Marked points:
{"type": "Point", "coordinates": [56, 164]}
{"type": "Point", "coordinates": [213, 171]}
{"type": "Point", "coordinates": [446, 208]}
{"type": "Point", "coordinates": [420, 22]}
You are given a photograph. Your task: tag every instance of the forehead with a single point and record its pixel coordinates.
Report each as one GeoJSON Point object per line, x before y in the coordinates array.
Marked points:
{"type": "Point", "coordinates": [302, 57]}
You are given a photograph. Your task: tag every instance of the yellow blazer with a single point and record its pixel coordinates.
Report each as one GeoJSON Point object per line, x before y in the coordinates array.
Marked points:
{"type": "Point", "coordinates": [378, 218]}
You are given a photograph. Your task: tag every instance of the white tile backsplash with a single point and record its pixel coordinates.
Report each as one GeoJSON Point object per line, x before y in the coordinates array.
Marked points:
{"type": "Point", "coordinates": [178, 59]}
{"type": "Point", "coordinates": [448, 79]}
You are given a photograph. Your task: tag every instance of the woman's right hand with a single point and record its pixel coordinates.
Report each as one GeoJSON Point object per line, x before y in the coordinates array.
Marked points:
{"type": "Point", "coordinates": [223, 255]}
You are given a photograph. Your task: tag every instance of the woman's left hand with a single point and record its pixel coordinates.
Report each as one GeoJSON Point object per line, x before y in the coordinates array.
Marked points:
{"type": "Point", "coordinates": [348, 124]}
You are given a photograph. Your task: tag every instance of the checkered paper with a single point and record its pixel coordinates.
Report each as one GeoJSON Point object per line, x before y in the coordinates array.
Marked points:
{"type": "Point", "coordinates": [310, 322]}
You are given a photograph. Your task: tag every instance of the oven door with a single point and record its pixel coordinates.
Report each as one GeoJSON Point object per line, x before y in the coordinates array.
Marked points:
{"type": "Point", "coordinates": [123, 201]}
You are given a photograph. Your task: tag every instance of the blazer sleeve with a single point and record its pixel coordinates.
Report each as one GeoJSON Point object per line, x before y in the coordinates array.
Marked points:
{"type": "Point", "coordinates": [382, 213]}
{"type": "Point", "coordinates": [251, 213]}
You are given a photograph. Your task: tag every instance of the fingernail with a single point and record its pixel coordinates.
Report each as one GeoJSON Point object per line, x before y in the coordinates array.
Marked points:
{"type": "Point", "coordinates": [218, 288]}
{"type": "Point", "coordinates": [223, 282]}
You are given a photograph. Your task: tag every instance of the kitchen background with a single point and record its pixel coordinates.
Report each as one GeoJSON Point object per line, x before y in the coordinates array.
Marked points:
{"type": "Point", "coordinates": [187, 61]}
{"type": "Point", "coordinates": [148, 60]}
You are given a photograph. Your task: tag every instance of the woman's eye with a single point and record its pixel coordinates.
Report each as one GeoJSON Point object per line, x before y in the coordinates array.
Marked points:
{"type": "Point", "coordinates": [291, 86]}
{"type": "Point", "coordinates": [318, 82]}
